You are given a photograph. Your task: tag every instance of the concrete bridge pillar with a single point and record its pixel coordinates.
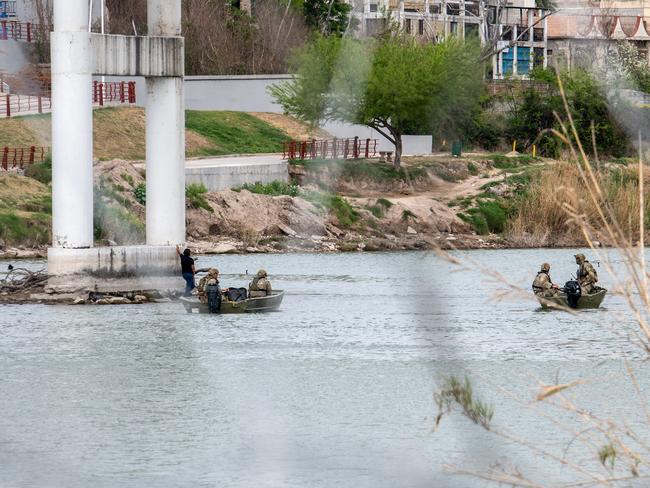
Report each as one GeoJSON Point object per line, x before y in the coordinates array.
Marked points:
{"type": "Point", "coordinates": [72, 153]}
{"type": "Point", "coordinates": [165, 139]}
{"type": "Point", "coordinates": [73, 263]}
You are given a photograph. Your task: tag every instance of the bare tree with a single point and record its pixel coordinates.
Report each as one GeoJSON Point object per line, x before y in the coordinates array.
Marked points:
{"type": "Point", "coordinates": [221, 39]}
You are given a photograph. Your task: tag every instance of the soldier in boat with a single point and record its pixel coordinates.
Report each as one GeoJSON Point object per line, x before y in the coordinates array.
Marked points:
{"type": "Point", "coordinates": [586, 275]}
{"type": "Point", "coordinates": [260, 286]}
{"type": "Point", "coordinates": [212, 278]}
{"type": "Point", "coordinates": [543, 286]}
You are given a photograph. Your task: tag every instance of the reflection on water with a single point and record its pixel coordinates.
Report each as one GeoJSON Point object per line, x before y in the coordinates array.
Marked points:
{"type": "Point", "coordinates": [333, 390]}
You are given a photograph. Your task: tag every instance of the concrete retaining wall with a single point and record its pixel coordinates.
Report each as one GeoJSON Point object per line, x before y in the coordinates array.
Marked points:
{"type": "Point", "coordinates": [222, 175]}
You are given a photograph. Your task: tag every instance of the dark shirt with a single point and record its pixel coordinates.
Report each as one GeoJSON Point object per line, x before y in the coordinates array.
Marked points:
{"type": "Point", "coordinates": [186, 264]}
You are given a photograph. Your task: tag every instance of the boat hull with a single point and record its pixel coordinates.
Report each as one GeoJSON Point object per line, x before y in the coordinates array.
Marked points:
{"type": "Point", "coordinates": [268, 303]}
{"type": "Point", "coordinates": [592, 300]}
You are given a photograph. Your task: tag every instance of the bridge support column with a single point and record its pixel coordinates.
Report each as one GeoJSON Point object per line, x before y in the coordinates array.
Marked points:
{"type": "Point", "coordinates": [72, 170]}
{"type": "Point", "coordinates": [165, 139]}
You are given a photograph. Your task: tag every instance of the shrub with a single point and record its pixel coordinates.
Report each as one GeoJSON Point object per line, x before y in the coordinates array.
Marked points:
{"type": "Point", "coordinates": [407, 214]}
{"type": "Point", "coordinates": [344, 212]}
{"type": "Point", "coordinates": [274, 188]}
{"type": "Point", "coordinates": [128, 178]}
{"type": "Point", "coordinates": [40, 171]}
{"type": "Point", "coordinates": [196, 195]}
{"type": "Point", "coordinates": [140, 193]}
{"type": "Point", "coordinates": [384, 203]}
{"type": "Point", "coordinates": [17, 230]}
{"type": "Point", "coordinates": [477, 221]}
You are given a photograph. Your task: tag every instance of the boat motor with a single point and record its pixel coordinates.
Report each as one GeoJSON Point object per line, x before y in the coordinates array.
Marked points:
{"type": "Point", "coordinates": [213, 293]}
{"type": "Point", "coordinates": [573, 293]}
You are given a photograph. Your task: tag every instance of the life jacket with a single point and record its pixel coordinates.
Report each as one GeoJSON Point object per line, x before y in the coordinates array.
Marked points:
{"type": "Point", "coordinates": [541, 288]}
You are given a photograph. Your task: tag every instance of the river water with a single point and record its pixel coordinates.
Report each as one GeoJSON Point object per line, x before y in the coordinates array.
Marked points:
{"type": "Point", "coordinates": [333, 390]}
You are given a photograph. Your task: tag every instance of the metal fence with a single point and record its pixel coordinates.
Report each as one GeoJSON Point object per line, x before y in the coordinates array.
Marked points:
{"type": "Point", "coordinates": [113, 91]}
{"type": "Point", "coordinates": [19, 157]}
{"type": "Point", "coordinates": [14, 104]}
{"type": "Point", "coordinates": [18, 31]}
{"type": "Point", "coordinates": [330, 149]}
{"type": "Point", "coordinates": [102, 93]}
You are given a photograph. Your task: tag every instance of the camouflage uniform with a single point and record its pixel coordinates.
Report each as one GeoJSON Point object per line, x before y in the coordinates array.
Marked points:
{"type": "Point", "coordinates": [543, 285]}
{"type": "Point", "coordinates": [260, 286]}
{"type": "Point", "coordinates": [587, 276]}
{"type": "Point", "coordinates": [212, 278]}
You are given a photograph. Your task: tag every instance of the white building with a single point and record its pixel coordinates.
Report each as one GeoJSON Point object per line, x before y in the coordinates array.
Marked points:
{"type": "Point", "coordinates": [517, 30]}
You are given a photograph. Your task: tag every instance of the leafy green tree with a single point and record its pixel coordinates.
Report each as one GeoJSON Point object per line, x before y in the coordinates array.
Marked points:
{"type": "Point", "coordinates": [328, 16]}
{"type": "Point", "coordinates": [394, 85]}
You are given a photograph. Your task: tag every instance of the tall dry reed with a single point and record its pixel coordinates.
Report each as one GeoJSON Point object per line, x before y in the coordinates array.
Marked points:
{"type": "Point", "coordinates": [610, 205]}
{"type": "Point", "coordinates": [542, 218]}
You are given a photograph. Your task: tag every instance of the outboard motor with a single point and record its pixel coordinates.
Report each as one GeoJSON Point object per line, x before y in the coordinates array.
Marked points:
{"type": "Point", "coordinates": [213, 293]}
{"type": "Point", "coordinates": [573, 293]}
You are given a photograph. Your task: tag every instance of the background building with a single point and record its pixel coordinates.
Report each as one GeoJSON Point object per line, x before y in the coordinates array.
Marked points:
{"type": "Point", "coordinates": [516, 33]}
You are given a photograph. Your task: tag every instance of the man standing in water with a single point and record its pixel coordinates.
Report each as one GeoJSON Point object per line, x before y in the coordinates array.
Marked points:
{"type": "Point", "coordinates": [187, 269]}
{"type": "Point", "coordinates": [587, 276]}
{"type": "Point", "coordinates": [543, 286]}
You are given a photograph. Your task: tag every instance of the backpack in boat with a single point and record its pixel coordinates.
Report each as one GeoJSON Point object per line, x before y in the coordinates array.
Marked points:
{"type": "Point", "coordinates": [237, 294]}
{"type": "Point", "coordinates": [213, 293]}
{"type": "Point", "coordinates": [573, 293]}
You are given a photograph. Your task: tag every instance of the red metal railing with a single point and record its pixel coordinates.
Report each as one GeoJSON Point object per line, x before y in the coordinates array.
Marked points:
{"type": "Point", "coordinates": [14, 104]}
{"type": "Point", "coordinates": [18, 157]}
{"type": "Point", "coordinates": [18, 31]}
{"type": "Point", "coordinates": [330, 149]}
{"type": "Point", "coordinates": [113, 91]}
{"type": "Point", "coordinates": [107, 92]}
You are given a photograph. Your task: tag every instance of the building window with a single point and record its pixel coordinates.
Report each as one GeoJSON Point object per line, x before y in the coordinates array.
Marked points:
{"type": "Point", "coordinates": [453, 27]}
{"type": "Point", "coordinates": [453, 9]}
{"type": "Point", "coordinates": [408, 26]}
{"type": "Point", "coordinates": [434, 9]}
{"type": "Point", "coordinates": [373, 7]}
{"type": "Point", "coordinates": [538, 56]}
{"type": "Point", "coordinates": [471, 8]}
{"type": "Point", "coordinates": [471, 30]}
{"type": "Point", "coordinates": [421, 27]}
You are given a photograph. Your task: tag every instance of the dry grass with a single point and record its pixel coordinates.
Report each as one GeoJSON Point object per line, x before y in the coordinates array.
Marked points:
{"type": "Point", "coordinates": [541, 217]}
{"type": "Point", "coordinates": [293, 128]}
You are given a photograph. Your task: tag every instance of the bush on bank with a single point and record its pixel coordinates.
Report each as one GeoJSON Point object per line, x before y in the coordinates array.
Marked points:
{"type": "Point", "coordinates": [529, 116]}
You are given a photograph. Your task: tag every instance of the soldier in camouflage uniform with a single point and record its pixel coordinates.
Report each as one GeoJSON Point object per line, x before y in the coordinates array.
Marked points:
{"type": "Point", "coordinates": [543, 286]}
{"type": "Point", "coordinates": [260, 286]}
{"type": "Point", "coordinates": [587, 276]}
{"type": "Point", "coordinates": [212, 278]}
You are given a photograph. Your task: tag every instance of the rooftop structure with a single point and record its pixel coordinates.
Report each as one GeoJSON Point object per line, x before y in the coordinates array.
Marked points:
{"type": "Point", "coordinates": [581, 32]}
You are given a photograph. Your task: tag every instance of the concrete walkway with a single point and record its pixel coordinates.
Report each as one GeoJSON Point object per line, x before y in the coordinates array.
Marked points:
{"type": "Point", "coordinates": [221, 173]}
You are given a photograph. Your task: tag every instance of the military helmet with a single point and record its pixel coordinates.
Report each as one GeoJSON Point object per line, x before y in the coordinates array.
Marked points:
{"type": "Point", "coordinates": [546, 267]}
{"type": "Point", "coordinates": [580, 257]}
{"type": "Point", "coordinates": [213, 272]}
{"type": "Point", "coordinates": [261, 273]}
